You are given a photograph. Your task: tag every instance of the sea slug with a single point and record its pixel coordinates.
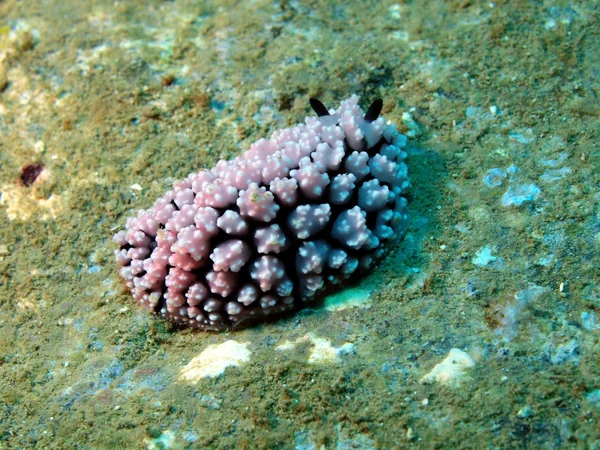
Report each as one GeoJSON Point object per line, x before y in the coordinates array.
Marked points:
{"type": "Point", "coordinates": [271, 229]}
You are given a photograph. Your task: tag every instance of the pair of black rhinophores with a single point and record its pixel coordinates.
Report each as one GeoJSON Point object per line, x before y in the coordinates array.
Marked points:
{"type": "Point", "coordinates": [371, 114]}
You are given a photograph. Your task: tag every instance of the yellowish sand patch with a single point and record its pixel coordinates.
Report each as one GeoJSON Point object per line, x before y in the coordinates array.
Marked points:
{"type": "Point", "coordinates": [451, 369]}
{"type": "Point", "coordinates": [24, 304]}
{"type": "Point", "coordinates": [214, 359]}
{"type": "Point", "coordinates": [322, 350]}
{"type": "Point", "coordinates": [21, 204]}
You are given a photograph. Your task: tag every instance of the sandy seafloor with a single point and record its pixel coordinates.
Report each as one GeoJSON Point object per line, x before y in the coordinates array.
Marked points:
{"type": "Point", "coordinates": [119, 99]}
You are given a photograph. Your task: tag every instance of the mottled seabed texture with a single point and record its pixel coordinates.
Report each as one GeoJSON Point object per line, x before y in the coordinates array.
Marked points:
{"type": "Point", "coordinates": [481, 329]}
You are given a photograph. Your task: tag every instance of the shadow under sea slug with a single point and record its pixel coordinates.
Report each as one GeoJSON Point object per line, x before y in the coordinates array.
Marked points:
{"type": "Point", "coordinates": [269, 230]}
